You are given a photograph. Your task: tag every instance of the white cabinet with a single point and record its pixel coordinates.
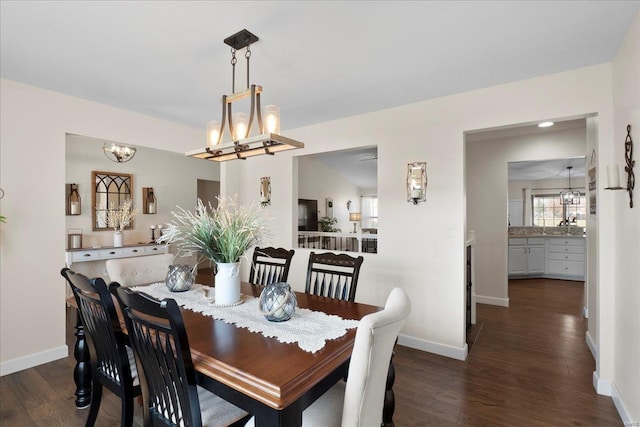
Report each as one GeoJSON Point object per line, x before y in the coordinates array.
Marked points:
{"type": "Point", "coordinates": [97, 254]}
{"type": "Point", "coordinates": [526, 256]}
{"type": "Point", "coordinates": [565, 258]}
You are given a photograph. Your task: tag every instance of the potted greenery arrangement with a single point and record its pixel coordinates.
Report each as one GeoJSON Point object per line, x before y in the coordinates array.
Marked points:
{"type": "Point", "coordinates": [221, 235]}
{"type": "Point", "coordinates": [327, 224]}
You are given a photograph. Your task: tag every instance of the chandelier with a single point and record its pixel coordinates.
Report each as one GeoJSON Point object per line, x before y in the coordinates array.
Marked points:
{"type": "Point", "coordinates": [238, 126]}
{"type": "Point", "coordinates": [570, 197]}
{"type": "Point", "coordinates": [118, 153]}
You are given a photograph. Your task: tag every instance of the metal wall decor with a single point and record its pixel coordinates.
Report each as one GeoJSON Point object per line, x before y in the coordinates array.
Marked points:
{"type": "Point", "coordinates": [628, 158]}
{"type": "Point", "coordinates": [265, 191]}
{"type": "Point", "coordinates": [417, 182]}
{"type": "Point", "coordinates": [613, 177]}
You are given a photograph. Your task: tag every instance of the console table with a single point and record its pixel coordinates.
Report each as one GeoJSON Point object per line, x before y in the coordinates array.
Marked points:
{"type": "Point", "coordinates": [106, 252]}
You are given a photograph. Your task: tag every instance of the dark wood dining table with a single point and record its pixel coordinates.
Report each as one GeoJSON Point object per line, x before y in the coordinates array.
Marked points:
{"type": "Point", "coordinates": [273, 381]}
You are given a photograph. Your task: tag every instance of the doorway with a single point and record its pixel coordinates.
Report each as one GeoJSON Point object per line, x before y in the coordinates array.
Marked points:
{"type": "Point", "coordinates": [487, 156]}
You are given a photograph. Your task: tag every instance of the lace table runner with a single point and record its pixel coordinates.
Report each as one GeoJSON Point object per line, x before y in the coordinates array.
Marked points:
{"type": "Point", "coordinates": [309, 329]}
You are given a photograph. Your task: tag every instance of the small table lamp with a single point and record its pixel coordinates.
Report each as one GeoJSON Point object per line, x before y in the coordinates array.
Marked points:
{"type": "Point", "coordinates": [356, 217]}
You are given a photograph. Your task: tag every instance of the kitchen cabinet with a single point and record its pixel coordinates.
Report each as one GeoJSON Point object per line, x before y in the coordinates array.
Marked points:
{"type": "Point", "coordinates": [526, 256]}
{"type": "Point", "coordinates": [565, 258]}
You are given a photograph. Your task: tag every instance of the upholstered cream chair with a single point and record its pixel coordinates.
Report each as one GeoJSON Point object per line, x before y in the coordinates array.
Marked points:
{"type": "Point", "coordinates": [139, 270]}
{"type": "Point", "coordinates": [359, 402]}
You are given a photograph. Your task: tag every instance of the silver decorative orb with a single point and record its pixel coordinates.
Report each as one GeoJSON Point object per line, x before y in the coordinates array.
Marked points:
{"type": "Point", "coordinates": [180, 278]}
{"type": "Point", "coordinates": [278, 302]}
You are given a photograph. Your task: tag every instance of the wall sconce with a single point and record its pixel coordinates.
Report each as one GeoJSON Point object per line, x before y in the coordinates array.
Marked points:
{"type": "Point", "coordinates": [613, 176]}
{"type": "Point", "coordinates": [417, 182]}
{"type": "Point", "coordinates": [265, 191]}
{"type": "Point", "coordinates": [74, 206]}
{"type": "Point", "coordinates": [356, 217]}
{"type": "Point", "coordinates": [118, 153]}
{"type": "Point", "coordinates": [149, 201]}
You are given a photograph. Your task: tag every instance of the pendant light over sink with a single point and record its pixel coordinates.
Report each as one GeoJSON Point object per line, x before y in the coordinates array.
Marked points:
{"type": "Point", "coordinates": [570, 197]}
{"type": "Point", "coordinates": [239, 126]}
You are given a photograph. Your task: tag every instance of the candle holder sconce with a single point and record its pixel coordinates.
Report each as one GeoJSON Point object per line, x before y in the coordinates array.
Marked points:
{"type": "Point", "coordinates": [612, 170]}
{"type": "Point", "coordinates": [149, 201]}
{"type": "Point", "coordinates": [417, 182]}
{"type": "Point", "coordinates": [265, 191]}
{"type": "Point", "coordinates": [74, 205]}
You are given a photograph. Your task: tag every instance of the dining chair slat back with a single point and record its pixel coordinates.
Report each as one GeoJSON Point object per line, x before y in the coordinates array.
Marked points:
{"type": "Point", "coordinates": [169, 391]}
{"type": "Point", "coordinates": [270, 265]}
{"type": "Point", "coordinates": [112, 361]}
{"type": "Point", "coordinates": [333, 275]}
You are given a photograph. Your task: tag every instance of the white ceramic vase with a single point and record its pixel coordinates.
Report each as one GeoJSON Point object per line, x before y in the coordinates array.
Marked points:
{"type": "Point", "coordinates": [118, 239]}
{"type": "Point", "coordinates": [227, 284]}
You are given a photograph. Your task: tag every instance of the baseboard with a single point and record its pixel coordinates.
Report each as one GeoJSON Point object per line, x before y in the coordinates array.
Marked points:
{"type": "Point", "coordinates": [459, 353]}
{"type": "Point", "coordinates": [502, 302]}
{"type": "Point", "coordinates": [592, 346]}
{"type": "Point", "coordinates": [622, 409]}
{"type": "Point", "coordinates": [15, 365]}
{"type": "Point", "coordinates": [602, 387]}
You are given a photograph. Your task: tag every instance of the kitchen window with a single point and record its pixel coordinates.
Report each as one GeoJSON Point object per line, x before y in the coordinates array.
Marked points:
{"type": "Point", "coordinates": [549, 212]}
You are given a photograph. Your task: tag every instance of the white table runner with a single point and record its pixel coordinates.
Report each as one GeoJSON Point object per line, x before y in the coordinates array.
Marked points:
{"type": "Point", "coordinates": [308, 329]}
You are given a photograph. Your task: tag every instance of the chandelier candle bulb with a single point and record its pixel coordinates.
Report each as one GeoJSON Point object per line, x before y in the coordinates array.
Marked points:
{"type": "Point", "coordinates": [613, 176]}
{"type": "Point", "coordinates": [240, 125]}
{"type": "Point", "coordinates": [272, 121]}
{"type": "Point", "coordinates": [213, 133]}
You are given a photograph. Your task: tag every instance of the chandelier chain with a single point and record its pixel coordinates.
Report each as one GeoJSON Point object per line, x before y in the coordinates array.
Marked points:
{"type": "Point", "coordinates": [233, 69]}
{"type": "Point", "coordinates": [247, 55]}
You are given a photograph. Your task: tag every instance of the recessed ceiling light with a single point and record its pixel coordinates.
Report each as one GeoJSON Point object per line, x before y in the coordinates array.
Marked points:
{"type": "Point", "coordinates": [545, 124]}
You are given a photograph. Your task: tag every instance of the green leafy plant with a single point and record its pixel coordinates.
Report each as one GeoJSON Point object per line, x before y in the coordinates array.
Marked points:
{"type": "Point", "coordinates": [327, 224]}
{"type": "Point", "coordinates": [222, 235]}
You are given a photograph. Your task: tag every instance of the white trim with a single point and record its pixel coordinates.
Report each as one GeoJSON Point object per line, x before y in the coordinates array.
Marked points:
{"type": "Point", "coordinates": [602, 387]}
{"type": "Point", "coordinates": [592, 346]}
{"type": "Point", "coordinates": [15, 365]}
{"type": "Point", "coordinates": [459, 353]}
{"type": "Point", "coordinates": [585, 312]}
{"type": "Point", "coordinates": [622, 409]}
{"type": "Point", "coordinates": [502, 302]}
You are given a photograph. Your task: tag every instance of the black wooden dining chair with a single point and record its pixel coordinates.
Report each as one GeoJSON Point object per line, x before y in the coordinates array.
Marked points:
{"type": "Point", "coordinates": [333, 275]}
{"type": "Point", "coordinates": [169, 391]}
{"type": "Point", "coordinates": [112, 361]}
{"type": "Point", "coordinates": [270, 265]}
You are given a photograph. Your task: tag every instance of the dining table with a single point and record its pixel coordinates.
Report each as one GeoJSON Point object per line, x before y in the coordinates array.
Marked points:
{"type": "Point", "coordinates": [272, 380]}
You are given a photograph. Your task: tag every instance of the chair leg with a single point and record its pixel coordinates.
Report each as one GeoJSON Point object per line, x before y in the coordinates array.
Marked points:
{"type": "Point", "coordinates": [127, 410]}
{"type": "Point", "coordinates": [96, 397]}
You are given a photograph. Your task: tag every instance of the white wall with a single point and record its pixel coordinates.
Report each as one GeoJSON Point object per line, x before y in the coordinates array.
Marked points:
{"type": "Point", "coordinates": [421, 247]}
{"type": "Point", "coordinates": [625, 305]}
{"type": "Point", "coordinates": [488, 192]}
{"type": "Point", "coordinates": [33, 128]}
{"type": "Point", "coordinates": [317, 181]}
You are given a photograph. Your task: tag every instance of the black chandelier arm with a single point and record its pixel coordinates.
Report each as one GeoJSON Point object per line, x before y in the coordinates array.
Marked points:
{"type": "Point", "coordinates": [628, 158]}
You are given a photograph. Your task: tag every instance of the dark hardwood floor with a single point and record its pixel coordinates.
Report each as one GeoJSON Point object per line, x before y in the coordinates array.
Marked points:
{"type": "Point", "coordinates": [529, 366]}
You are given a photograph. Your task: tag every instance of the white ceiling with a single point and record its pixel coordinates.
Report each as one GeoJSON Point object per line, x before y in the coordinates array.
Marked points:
{"type": "Point", "coordinates": [318, 61]}
{"type": "Point", "coordinates": [359, 166]}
